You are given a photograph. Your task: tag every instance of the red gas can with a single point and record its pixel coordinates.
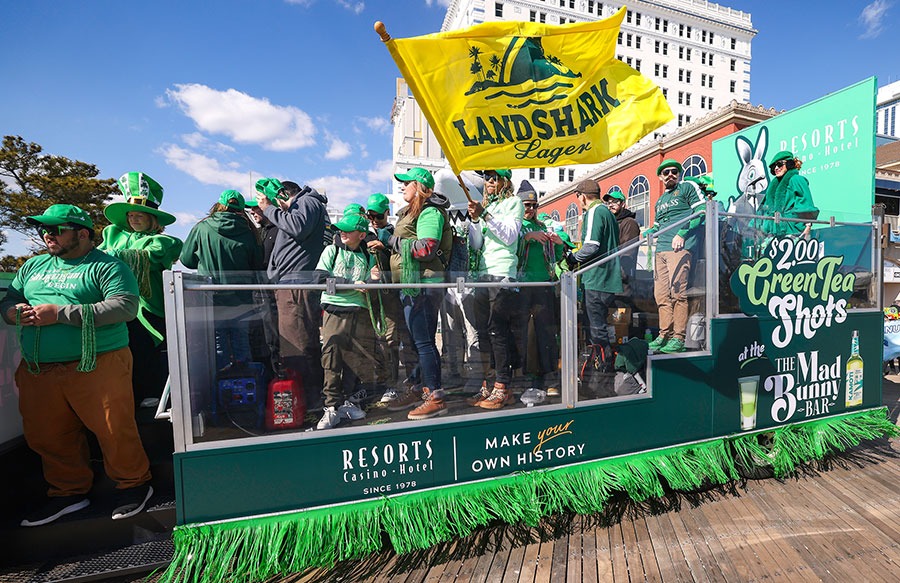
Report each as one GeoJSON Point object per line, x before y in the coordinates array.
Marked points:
{"type": "Point", "coordinates": [285, 405]}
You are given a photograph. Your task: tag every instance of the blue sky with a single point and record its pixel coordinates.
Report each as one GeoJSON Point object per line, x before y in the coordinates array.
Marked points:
{"type": "Point", "coordinates": [205, 95]}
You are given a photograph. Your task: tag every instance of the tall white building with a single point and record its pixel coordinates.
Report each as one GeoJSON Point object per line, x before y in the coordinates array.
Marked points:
{"type": "Point", "coordinates": [887, 102]}
{"type": "Point", "coordinates": [697, 52]}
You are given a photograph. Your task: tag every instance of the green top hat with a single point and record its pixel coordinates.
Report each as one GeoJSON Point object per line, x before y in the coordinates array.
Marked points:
{"type": "Point", "coordinates": [142, 194]}
{"type": "Point", "coordinates": [272, 188]}
{"type": "Point", "coordinates": [232, 195]}
{"type": "Point", "coordinates": [59, 214]}
{"type": "Point", "coordinates": [419, 175]}
{"type": "Point", "coordinates": [352, 222]}
{"type": "Point", "coordinates": [378, 203]}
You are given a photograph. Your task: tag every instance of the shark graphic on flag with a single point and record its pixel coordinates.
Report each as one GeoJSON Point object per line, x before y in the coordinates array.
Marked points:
{"type": "Point", "coordinates": [525, 95]}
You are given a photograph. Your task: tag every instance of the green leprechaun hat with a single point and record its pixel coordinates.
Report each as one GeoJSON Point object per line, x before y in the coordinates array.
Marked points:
{"type": "Point", "coordinates": [142, 194]}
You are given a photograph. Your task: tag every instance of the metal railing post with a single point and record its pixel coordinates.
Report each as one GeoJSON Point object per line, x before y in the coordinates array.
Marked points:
{"type": "Point", "coordinates": [568, 337]}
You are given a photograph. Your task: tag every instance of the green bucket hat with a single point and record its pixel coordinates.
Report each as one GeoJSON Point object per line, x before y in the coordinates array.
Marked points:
{"type": "Point", "coordinates": [352, 222]}
{"type": "Point", "coordinates": [669, 163]}
{"type": "Point", "coordinates": [782, 155]}
{"type": "Point", "coordinates": [354, 209]}
{"type": "Point", "coordinates": [271, 188]}
{"type": "Point", "coordinates": [378, 203]}
{"type": "Point", "coordinates": [230, 195]}
{"type": "Point", "coordinates": [142, 194]}
{"type": "Point", "coordinates": [419, 175]}
{"type": "Point", "coordinates": [59, 214]}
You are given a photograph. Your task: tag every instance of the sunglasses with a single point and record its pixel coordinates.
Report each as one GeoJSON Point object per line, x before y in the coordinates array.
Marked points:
{"type": "Point", "coordinates": [54, 230]}
{"type": "Point", "coordinates": [669, 172]}
{"type": "Point", "coordinates": [491, 178]}
{"type": "Point", "coordinates": [375, 216]}
{"type": "Point", "coordinates": [778, 164]}
{"type": "Point", "coordinates": [531, 205]}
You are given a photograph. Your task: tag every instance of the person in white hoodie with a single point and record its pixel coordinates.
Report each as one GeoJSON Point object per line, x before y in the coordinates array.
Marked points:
{"type": "Point", "coordinates": [495, 227]}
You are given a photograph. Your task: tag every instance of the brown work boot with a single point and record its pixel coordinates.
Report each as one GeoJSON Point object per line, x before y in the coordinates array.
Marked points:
{"type": "Point", "coordinates": [500, 396]}
{"type": "Point", "coordinates": [405, 401]}
{"type": "Point", "coordinates": [480, 396]}
{"type": "Point", "coordinates": [432, 407]}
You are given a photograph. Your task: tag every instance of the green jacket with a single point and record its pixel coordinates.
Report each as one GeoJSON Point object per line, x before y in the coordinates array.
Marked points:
{"type": "Point", "coordinates": [158, 253]}
{"type": "Point", "coordinates": [790, 196]}
{"type": "Point", "coordinates": [599, 228]}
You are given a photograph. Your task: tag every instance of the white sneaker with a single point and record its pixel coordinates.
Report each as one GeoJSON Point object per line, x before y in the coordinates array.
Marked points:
{"type": "Point", "coordinates": [351, 411]}
{"type": "Point", "coordinates": [329, 420]}
{"type": "Point", "coordinates": [389, 395]}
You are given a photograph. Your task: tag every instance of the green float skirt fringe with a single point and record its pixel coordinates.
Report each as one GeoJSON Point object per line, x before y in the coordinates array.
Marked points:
{"type": "Point", "coordinates": [257, 548]}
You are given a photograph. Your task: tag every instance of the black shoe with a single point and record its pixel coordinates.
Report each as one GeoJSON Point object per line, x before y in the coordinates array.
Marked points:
{"type": "Point", "coordinates": [131, 501]}
{"type": "Point", "coordinates": [54, 508]}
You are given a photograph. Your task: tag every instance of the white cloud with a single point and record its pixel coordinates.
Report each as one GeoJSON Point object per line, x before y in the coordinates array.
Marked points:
{"type": "Point", "coordinates": [187, 219]}
{"type": "Point", "coordinates": [198, 141]}
{"type": "Point", "coordinates": [208, 170]}
{"type": "Point", "coordinates": [354, 7]}
{"type": "Point", "coordinates": [376, 124]}
{"type": "Point", "coordinates": [304, 3]}
{"type": "Point", "coordinates": [443, 3]}
{"type": "Point", "coordinates": [872, 18]}
{"type": "Point", "coordinates": [382, 172]}
{"type": "Point", "coordinates": [338, 150]}
{"type": "Point", "coordinates": [342, 190]}
{"type": "Point", "coordinates": [244, 118]}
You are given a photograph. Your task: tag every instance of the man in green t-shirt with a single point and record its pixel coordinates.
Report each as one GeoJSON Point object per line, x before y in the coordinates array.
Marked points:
{"type": "Point", "coordinates": [599, 238]}
{"type": "Point", "coordinates": [71, 306]}
{"type": "Point", "coordinates": [672, 263]}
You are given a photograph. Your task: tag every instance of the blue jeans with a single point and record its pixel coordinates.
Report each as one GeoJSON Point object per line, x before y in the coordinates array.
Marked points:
{"type": "Point", "coordinates": [421, 314]}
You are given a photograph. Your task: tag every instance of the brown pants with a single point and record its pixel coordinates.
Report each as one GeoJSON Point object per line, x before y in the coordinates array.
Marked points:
{"type": "Point", "coordinates": [670, 278]}
{"type": "Point", "coordinates": [348, 352]}
{"type": "Point", "coordinates": [59, 403]}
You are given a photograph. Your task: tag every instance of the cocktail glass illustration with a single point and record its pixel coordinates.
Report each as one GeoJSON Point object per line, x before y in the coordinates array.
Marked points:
{"type": "Point", "coordinates": [748, 387]}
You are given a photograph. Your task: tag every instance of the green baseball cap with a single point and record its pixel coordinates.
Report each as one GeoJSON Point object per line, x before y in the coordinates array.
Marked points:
{"type": "Point", "coordinates": [419, 175]}
{"type": "Point", "coordinates": [271, 188]}
{"type": "Point", "coordinates": [669, 163]}
{"type": "Point", "coordinates": [59, 214]}
{"type": "Point", "coordinates": [352, 222]}
{"type": "Point", "coordinates": [354, 209]}
{"type": "Point", "coordinates": [251, 202]}
{"type": "Point", "coordinates": [616, 194]}
{"type": "Point", "coordinates": [232, 195]}
{"type": "Point", "coordinates": [378, 203]}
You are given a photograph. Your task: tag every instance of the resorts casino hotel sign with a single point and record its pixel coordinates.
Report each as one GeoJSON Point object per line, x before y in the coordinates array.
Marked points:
{"type": "Point", "coordinates": [803, 361]}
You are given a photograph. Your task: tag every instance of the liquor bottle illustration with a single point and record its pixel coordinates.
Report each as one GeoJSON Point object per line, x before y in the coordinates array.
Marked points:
{"type": "Point", "coordinates": [854, 374]}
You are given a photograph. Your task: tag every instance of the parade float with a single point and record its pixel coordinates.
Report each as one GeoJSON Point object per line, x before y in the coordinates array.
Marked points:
{"type": "Point", "coordinates": [784, 369]}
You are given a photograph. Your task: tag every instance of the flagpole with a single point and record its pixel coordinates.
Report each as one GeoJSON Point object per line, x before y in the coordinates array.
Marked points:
{"type": "Point", "coordinates": [465, 190]}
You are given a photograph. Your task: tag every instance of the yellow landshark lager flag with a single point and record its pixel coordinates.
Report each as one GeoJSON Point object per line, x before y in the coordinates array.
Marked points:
{"type": "Point", "coordinates": [525, 95]}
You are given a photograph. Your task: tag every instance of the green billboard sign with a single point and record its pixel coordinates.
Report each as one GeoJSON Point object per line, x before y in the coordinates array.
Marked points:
{"type": "Point", "coordinates": [833, 137]}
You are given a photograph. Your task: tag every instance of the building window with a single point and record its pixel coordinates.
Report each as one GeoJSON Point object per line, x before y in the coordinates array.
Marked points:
{"type": "Point", "coordinates": [639, 198]}
{"type": "Point", "coordinates": [590, 6]}
{"type": "Point", "coordinates": [571, 220]}
{"type": "Point", "coordinates": [571, 175]}
{"type": "Point", "coordinates": [709, 82]}
{"type": "Point", "coordinates": [710, 102]}
{"type": "Point", "coordinates": [733, 85]}
{"type": "Point", "coordinates": [628, 16]}
{"type": "Point", "coordinates": [542, 17]}
{"type": "Point", "coordinates": [541, 173]}
{"type": "Point", "coordinates": [628, 40]}
{"type": "Point", "coordinates": [572, 4]}
{"type": "Point", "coordinates": [680, 120]}
{"type": "Point", "coordinates": [687, 98]}
{"type": "Point", "coordinates": [656, 47]}
{"type": "Point", "coordinates": [562, 174]}
{"type": "Point", "coordinates": [703, 102]}
{"type": "Point", "coordinates": [733, 64]}
{"type": "Point", "coordinates": [687, 55]}
{"type": "Point", "coordinates": [710, 37]}
{"type": "Point", "coordinates": [665, 92]}
{"type": "Point", "coordinates": [637, 41]}
{"type": "Point", "coordinates": [681, 98]}
{"type": "Point", "coordinates": [637, 64]}
{"type": "Point", "coordinates": [657, 69]}
{"type": "Point", "coordinates": [498, 10]}
{"type": "Point", "coordinates": [687, 76]}
{"type": "Point", "coordinates": [531, 173]}
{"type": "Point", "coordinates": [619, 41]}
{"type": "Point", "coordinates": [733, 44]}
{"type": "Point", "coordinates": [637, 18]}
{"type": "Point", "coordinates": [694, 165]}
{"type": "Point", "coordinates": [532, 16]}
{"type": "Point", "coordinates": [555, 216]}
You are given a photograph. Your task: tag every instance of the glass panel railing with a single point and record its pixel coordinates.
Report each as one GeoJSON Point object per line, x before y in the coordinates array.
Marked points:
{"type": "Point", "coordinates": [662, 294]}
{"type": "Point", "coordinates": [268, 359]}
{"type": "Point", "coordinates": [797, 246]}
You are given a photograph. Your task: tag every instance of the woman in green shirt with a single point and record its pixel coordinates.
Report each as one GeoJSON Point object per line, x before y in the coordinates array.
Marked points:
{"type": "Point", "coordinates": [421, 247]}
{"type": "Point", "coordinates": [136, 237]}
